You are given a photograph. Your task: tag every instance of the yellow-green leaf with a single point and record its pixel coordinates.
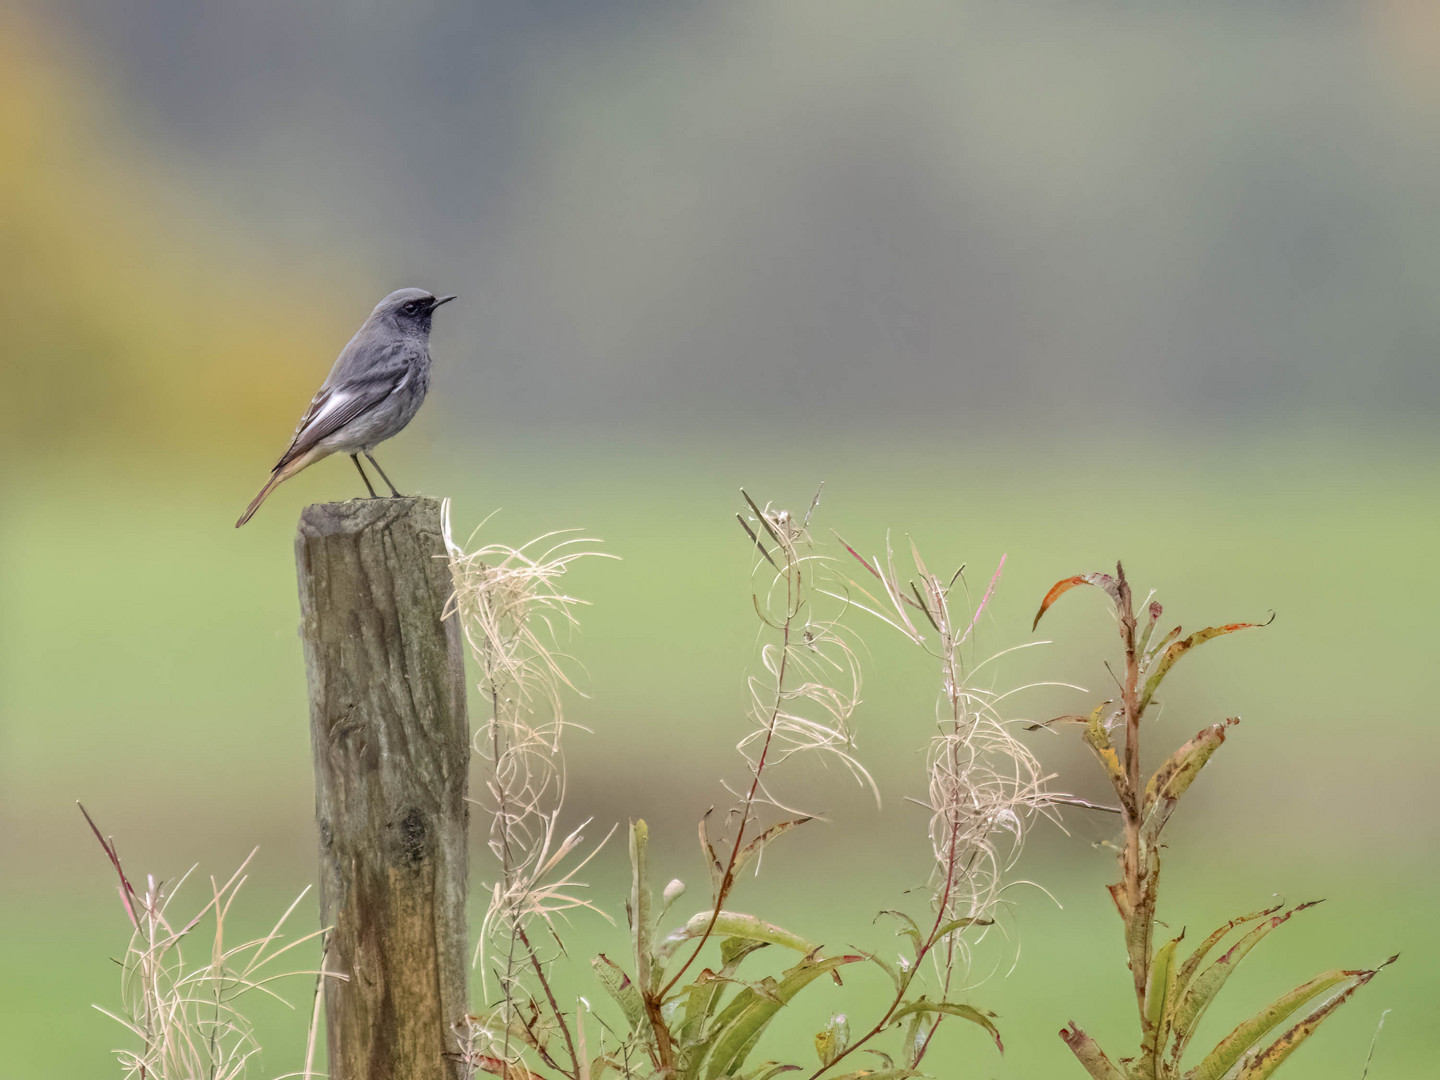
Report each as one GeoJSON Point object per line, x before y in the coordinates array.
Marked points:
{"type": "Point", "coordinates": [742, 1022]}
{"type": "Point", "coordinates": [1227, 1052]}
{"type": "Point", "coordinates": [1174, 777]}
{"type": "Point", "coordinates": [1098, 739]}
{"type": "Point", "coordinates": [950, 1008]}
{"type": "Point", "coordinates": [641, 930]}
{"type": "Point", "coordinates": [1192, 965]}
{"type": "Point", "coordinates": [1171, 656]}
{"type": "Point", "coordinates": [834, 1040]}
{"type": "Point", "coordinates": [1202, 990]}
{"type": "Point", "coordinates": [945, 929]}
{"type": "Point", "coordinates": [1159, 994]}
{"type": "Point", "coordinates": [1264, 1064]}
{"type": "Point", "coordinates": [620, 987]}
{"type": "Point", "coordinates": [750, 850]}
{"type": "Point", "coordinates": [731, 924]}
{"type": "Point", "coordinates": [907, 927]}
{"type": "Point", "coordinates": [772, 1069]}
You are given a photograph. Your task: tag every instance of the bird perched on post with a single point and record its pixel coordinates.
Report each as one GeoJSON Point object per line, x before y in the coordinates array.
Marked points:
{"type": "Point", "coordinates": [372, 392]}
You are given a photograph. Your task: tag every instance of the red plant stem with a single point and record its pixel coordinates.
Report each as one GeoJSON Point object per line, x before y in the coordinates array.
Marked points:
{"type": "Point", "coordinates": [727, 880]}
{"type": "Point", "coordinates": [554, 1008]}
{"type": "Point", "coordinates": [908, 976]}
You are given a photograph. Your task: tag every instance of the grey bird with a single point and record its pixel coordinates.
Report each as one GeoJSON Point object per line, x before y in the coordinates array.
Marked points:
{"type": "Point", "coordinates": [372, 392]}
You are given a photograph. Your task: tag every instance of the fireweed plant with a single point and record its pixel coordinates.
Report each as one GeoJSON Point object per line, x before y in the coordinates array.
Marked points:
{"type": "Point", "coordinates": [1174, 987]}
{"type": "Point", "coordinates": [688, 1002]}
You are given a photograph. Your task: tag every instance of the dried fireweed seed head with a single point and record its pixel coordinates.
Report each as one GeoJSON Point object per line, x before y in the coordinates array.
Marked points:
{"type": "Point", "coordinates": [803, 698]}
{"type": "Point", "coordinates": [984, 786]}
{"type": "Point", "coordinates": [512, 611]}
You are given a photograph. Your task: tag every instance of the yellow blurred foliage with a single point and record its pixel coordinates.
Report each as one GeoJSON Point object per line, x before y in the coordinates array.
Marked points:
{"type": "Point", "coordinates": [132, 320]}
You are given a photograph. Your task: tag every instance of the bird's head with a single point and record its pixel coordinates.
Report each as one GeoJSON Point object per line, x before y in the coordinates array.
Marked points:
{"type": "Point", "coordinates": [409, 309]}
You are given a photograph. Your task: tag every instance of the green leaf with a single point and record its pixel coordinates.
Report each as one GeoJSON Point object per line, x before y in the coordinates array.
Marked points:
{"type": "Point", "coordinates": [1060, 588]}
{"type": "Point", "coordinates": [1183, 1033]}
{"type": "Point", "coordinates": [1172, 655]}
{"type": "Point", "coordinates": [1202, 990]}
{"type": "Point", "coordinates": [647, 971]}
{"type": "Point", "coordinates": [772, 1069]}
{"type": "Point", "coordinates": [712, 861]}
{"type": "Point", "coordinates": [1192, 965]}
{"type": "Point", "coordinates": [618, 985]}
{"type": "Point", "coordinates": [735, 949]}
{"type": "Point", "coordinates": [959, 924]}
{"type": "Point", "coordinates": [731, 924]}
{"type": "Point", "coordinates": [704, 993]}
{"type": "Point", "coordinates": [907, 927]}
{"type": "Point", "coordinates": [879, 1074]}
{"type": "Point", "coordinates": [1089, 1054]}
{"type": "Point", "coordinates": [742, 1022]}
{"type": "Point", "coordinates": [917, 1035]}
{"type": "Point", "coordinates": [701, 997]}
{"type": "Point", "coordinates": [1267, 1061]}
{"type": "Point", "coordinates": [1162, 984]}
{"type": "Point", "coordinates": [1174, 778]}
{"type": "Point", "coordinates": [750, 850]}
{"type": "Point", "coordinates": [950, 1008]}
{"type": "Point", "coordinates": [1157, 646]}
{"type": "Point", "coordinates": [1227, 1052]}
{"type": "Point", "coordinates": [885, 966]}
{"type": "Point", "coordinates": [834, 1040]}
{"type": "Point", "coordinates": [1155, 611]}
{"type": "Point", "coordinates": [1159, 1000]}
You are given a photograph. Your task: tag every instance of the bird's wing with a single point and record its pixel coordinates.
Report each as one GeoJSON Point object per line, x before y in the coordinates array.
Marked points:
{"type": "Point", "coordinates": [337, 405]}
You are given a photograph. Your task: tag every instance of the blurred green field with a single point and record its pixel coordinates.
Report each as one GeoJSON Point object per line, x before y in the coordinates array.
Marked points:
{"type": "Point", "coordinates": [151, 668]}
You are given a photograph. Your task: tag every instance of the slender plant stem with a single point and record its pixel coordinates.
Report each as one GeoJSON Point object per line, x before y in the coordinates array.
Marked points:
{"type": "Point", "coordinates": [727, 880]}
{"type": "Point", "coordinates": [516, 927]}
{"type": "Point", "coordinates": [554, 1005]}
{"type": "Point", "coordinates": [907, 977]}
{"type": "Point", "coordinates": [1136, 888]}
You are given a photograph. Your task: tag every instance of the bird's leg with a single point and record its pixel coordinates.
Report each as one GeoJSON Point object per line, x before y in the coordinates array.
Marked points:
{"type": "Point", "coordinates": [356, 458]}
{"type": "Point", "coordinates": [394, 492]}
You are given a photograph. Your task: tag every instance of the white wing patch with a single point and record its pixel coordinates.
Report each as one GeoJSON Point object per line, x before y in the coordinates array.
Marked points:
{"type": "Point", "coordinates": [332, 403]}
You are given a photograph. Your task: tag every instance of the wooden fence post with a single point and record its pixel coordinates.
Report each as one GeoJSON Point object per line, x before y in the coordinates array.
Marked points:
{"type": "Point", "coordinates": [392, 752]}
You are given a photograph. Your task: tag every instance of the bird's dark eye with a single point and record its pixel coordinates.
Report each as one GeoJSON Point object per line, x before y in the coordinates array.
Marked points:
{"type": "Point", "coordinates": [410, 308]}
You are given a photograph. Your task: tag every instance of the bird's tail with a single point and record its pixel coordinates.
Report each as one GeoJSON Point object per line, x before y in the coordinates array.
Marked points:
{"type": "Point", "coordinates": [283, 471]}
{"type": "Point", "coordinates": [270, 485]}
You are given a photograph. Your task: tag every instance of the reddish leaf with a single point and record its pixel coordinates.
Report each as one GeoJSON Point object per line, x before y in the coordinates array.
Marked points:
{"type": "Point", "coordinates": [1060, 588]}
{"type": "Point", "coordinates": [127, 891]}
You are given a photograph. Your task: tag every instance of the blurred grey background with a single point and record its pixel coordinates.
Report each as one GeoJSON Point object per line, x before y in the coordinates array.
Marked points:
{"type": "Point", "coordinates": [831, 213]}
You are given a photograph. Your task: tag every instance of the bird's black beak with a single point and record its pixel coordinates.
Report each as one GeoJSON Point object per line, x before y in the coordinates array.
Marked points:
{"type": "Point", "coordinates": [440, 300]}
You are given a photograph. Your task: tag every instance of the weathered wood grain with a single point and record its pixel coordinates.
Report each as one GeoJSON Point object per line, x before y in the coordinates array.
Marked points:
{"type": "Point", "coordinates": [392, 747]}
